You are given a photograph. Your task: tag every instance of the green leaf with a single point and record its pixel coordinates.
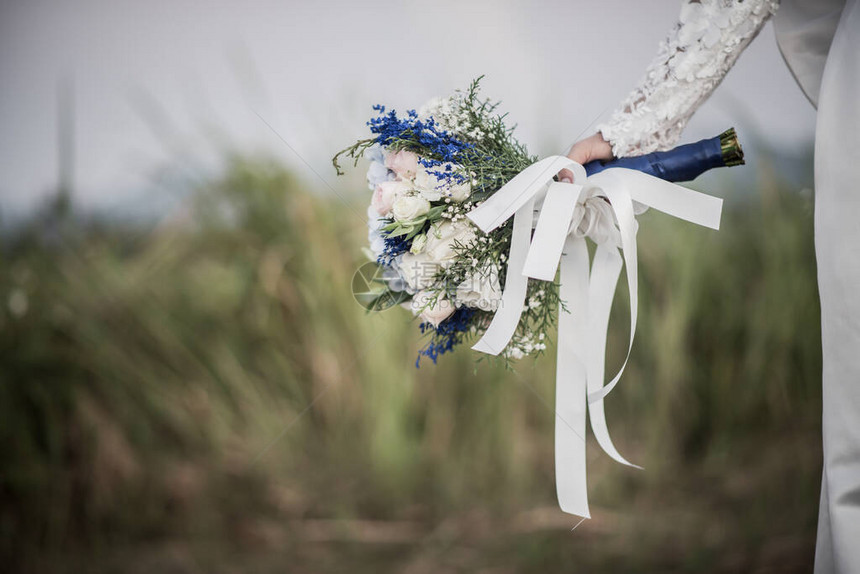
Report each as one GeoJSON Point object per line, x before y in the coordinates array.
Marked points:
{"type": "Point", "coordinates": [435, 212]}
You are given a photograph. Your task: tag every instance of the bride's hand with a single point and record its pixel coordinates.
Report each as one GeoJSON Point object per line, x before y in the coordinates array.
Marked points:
{"type": "Point", "coordinates": [586, 150]}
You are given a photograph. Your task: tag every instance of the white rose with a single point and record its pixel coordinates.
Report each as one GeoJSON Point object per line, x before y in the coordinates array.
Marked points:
{"type": "Point", "coordinates": [442, 238]}
{"type": "Point", "coordinates": [456, 191]}
{"type": "Point", "coordinates": [481, 290]}
{"type": "Point", "coordinates": [433, 308]}
{"type": "Point", "coordinates": [428, 185]}
{"type": "Point", "coordinates": [460, 192]}
{"type": "Point", "coordinates": [417, 270]}
{"type": "Point", "coordinates": [434, 188]}
{"type": "Point", "coordinates": [409, 207]}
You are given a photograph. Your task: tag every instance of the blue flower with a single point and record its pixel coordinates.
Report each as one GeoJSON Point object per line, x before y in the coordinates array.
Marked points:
{"type": "Point", "coordinates": [450, 332]}
{"type": "Point", "coordinates": [436, 146]}
{"type": "Point", "coordinates": [394, 246]}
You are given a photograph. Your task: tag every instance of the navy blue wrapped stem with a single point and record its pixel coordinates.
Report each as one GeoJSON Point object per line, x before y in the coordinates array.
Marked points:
{"type": "Point", "coordinates": [683, 163]}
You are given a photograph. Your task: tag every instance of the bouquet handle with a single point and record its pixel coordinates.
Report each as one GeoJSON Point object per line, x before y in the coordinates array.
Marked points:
{"type": "Point", "coordinates": [683, 163]}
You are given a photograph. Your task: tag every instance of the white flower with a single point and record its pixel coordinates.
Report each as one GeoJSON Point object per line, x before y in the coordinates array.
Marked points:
{"type": "Point", "coordinates": [417, 270]}
{"type": "Point", "coordinates": [409, 207]}
{"type": "Point", "coordinates": [433, 308]}
{"type": "Point", "coordinates": [432, 187]}
{"type": "Point", "coordinates": [433, 184]}
{"type": "Point", "coordinates": [403, 163]}
{"type": "Point", "coordinates": [377, 173]}
{"type": "Point", "coordinates": [386, 193]}
{"type": "Point", "coordinates": [374, 237]}
{"type": "Point", "coordinates": [460, 192]}
{"type": "Point", "coordinates": [481, 289]}
{"type": "Point", "coordinates": [377, 244]}
{"type": "Point", "coordinates": [375, 153]}
{"type": "Point", "coordinates": [443, 237]}
{"type": "Point", "coordinates": [431, 107]}
{"type": "Point", "coordinates": [374, 221]}
{"type": "Point", "coordinates": [514, 352]}
{"type": "Point", "coordinates": [391, 276]}
{"type": "Point", "coordinates": [440, 109]}
{"type": "Point", "coordinates": [427, 184]}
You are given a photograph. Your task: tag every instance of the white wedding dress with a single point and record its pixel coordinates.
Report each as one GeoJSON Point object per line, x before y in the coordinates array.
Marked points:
{"type": "Point", "coordinates": [820, 41]}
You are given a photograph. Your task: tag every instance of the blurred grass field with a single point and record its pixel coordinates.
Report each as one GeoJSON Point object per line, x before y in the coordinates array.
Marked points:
{"type": "Point", "coordinates": [205, 395]}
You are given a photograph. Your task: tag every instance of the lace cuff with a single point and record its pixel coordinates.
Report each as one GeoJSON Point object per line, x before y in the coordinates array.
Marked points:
{"type": "Point", "coordinates": [691, 62]}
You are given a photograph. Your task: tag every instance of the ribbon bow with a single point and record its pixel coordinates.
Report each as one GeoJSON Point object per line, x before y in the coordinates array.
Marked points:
{"type": "Point", "coordinates": [568, 215]}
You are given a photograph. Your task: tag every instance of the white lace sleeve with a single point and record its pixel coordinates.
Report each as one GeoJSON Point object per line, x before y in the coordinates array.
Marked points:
{"type": "Point", "coordinates": [691, 62]}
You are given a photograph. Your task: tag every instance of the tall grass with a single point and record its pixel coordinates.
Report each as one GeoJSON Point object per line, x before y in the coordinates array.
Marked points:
{"type": "Point", "coordinates": [210, 386]}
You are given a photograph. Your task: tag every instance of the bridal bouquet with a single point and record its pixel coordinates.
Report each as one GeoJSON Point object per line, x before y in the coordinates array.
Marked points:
{"type": "Point", "coordinates": [428, 170]}
{"type": "Point", "coordinates": [477, 238]}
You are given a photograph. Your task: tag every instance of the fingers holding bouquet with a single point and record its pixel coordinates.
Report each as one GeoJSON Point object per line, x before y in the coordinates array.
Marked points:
{"type": "Point", "coordinates": [586, 150]}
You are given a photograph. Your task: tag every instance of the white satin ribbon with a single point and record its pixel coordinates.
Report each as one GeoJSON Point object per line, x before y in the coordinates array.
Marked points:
{"type": "Point", "coordinates": [558, 243]}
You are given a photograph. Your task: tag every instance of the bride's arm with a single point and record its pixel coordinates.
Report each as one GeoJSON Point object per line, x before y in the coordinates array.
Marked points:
{"type": "Point", "coordinates": [691, 62]}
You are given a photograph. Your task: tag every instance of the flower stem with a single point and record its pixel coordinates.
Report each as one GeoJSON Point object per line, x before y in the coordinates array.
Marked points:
{"type": "Point", "coordinates": [732, 152]}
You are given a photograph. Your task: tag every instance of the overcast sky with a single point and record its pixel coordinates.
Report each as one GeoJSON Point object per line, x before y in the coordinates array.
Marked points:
{"type": "Point", "coordinates": [179, 82]}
